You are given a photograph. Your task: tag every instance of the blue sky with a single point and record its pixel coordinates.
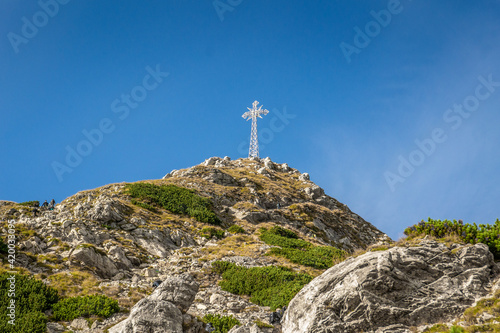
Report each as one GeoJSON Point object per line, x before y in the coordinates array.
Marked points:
{"type": "Point", "coordinates": [391, 106]}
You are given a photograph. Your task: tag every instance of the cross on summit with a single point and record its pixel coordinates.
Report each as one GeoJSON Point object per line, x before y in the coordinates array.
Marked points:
{"type": "Point", "coordinates": [253, 113]}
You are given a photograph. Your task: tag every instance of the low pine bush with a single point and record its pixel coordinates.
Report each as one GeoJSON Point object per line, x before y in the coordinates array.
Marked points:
{"type": "Point", "coordinates": [282, 237]}
{"type": "Point", "coordinates": [220, 267]}
{"type": "Point", "coordinates": [85, 306]}
{"type": "Point", "coordinates": [144, 205]}
{"type": "Point", "coordinates": [208, 233]}
{"type": "Point", "coordinates": [299, 251]}
{"type": "Point", "coordinates": [488, 234]}
{"type": "Point", "coordinates": [320, 257]}
{"type": "Point", "coordinates": [31, 298]}
{"type": "Point", "coordinates": [222, 324]}
{"type": "Point", "coordinates": [272, 286]}
{"type": "Point", "coordinates": [30, 203]}
{"type": "Point", "coordinates": [176, 199]}
{"type": "Point", "coordinates": [4, 249]}
{"type": "Point", "coordinates": [236, 229]}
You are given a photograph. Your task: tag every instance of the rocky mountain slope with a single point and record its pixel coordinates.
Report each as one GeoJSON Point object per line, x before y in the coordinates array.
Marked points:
{"type": "Point", "coordinates": [104, 241]}
{"type": "Point", "coordinates": [254, 215]}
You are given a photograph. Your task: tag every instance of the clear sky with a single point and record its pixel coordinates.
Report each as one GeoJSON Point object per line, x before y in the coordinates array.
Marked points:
{"type": "Point", "coordinates": [393, 107]}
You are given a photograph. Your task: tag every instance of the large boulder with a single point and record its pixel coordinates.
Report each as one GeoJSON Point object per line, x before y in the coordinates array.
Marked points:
{"type": "Point", "coordinates": [105, 268]}
{"type": "Point", "coordinates": [155, 242]}
{"type": "Point", "coordinates": [179, 290]}
{"type": "Point", "coordinates": [106, 210]}
{"type": "Point", "coordinates": [218, 177]}
{"type": "Point", "coordinates": [389, 291]}
{"type": "Point", "coordinates": [117, 254]}
{"type": "Point", "coordinates": [161, 312]}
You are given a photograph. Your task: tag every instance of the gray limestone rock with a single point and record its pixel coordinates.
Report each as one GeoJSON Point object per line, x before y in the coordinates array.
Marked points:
{"type": "Point", "coordinates": [162, 311]}
{"type": "Point", "coordinates": [218, 177]}
{"type": "Point", "coordinates": [403, 286]}
{"type": "Point", "coordinates": [304, 176]}
{"type": "Point", "coordinates": [53, 327]}
{"type": "Point", "coordinates": [263, 171]}
{"type": "Point", "coordinates": [79, 324]}
{"type": "Point", "coordinates": [180, 290]}
{"type": "Point", "coordinates": [211, 161]}
{"type": "Point", "coordinates": [154, 241]}
{"type": "Point", "coordinates": [314, 191]}
{"type": "Point", "coordinates": [106, 210]}
{"type": "Point", "coordinates": [154, 316]}
{"type": "Point", "coordinates": [118, 255]}
{"type": "Point", "coordinates": [90, 257]}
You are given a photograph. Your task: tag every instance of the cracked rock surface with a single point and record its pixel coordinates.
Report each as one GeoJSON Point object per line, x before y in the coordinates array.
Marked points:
{"type": "Point", "coordinates": [389, 291]}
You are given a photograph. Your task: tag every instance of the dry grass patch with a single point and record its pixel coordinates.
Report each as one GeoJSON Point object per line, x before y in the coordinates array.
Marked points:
{"type": "Point", "coordinates": [236, 245]}
{"type": "Point", "coordinates": [4, 267]}
{"type": "Point", "coordinates": [448, 240]}
{"type": "Point", "coordinates": [134, 296]}
{"type": "Point", "coordinates": [247, 206]}
{"type": "Point", "coordinates": [280, 261]}
{"type": "Point", "coordinates": [74, 283]}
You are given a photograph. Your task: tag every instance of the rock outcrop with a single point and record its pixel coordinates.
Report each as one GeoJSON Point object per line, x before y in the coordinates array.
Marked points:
{"type": "Point", "coordinates": [162, 311]}
{"type": "Point", "coordinates": [392, 290]}
{"type": "Point", "coordinates": [90, 257]}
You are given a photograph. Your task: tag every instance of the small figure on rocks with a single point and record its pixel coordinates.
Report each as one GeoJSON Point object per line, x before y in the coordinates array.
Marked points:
{"type": "Point", "coordinates": [278, 206]}
{"type": "Point", "coordinates": [210, 327]}
{"type": "Point", "coordinates": [156, 283]}
{"type": "Point", "coordinates": [45, 204]}
{"type": "Point", "coordinates": [52, 204]}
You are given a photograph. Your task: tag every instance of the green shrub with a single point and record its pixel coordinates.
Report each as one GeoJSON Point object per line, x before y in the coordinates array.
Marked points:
{"type": "Point", "coordinates": [208, 233]}
{"type": "Point", "coordinates": [4, 249]}
{"type": "Point", "coordinates": [272, 286]}
{"type": "Point", "coordinates": [320, 257]}
{"type": "Point", "coordinates": [299, 251]}
{"type": "Point", "coordinates": [456, 329]}
{"type": "Point", "coordinates": [32, 297]}
{"type": "Point", "coordinates": [468, 233]}
{"type": "Point", "coordinates": [85, 306]}
{"type": "Point", "coordinates": [144, 205]}
{"type": "Point", "coordinates": [32, 322]}
{"type": "Point", "coordinates": [220, 267]}
{"type": "Point", "coordinates": [176, 199]}
{"type": "Point", "coordinates": [274, 236]}
{"type": "Point", "coordinates": [236, 229]}
{"type": "Point", "coordinates": [30, 203]}
{"type": "Point", "coordinates": [261, 324]}
{"type": "Point", "coordinates": [222, 324]}
{"type": "Point", "coordinates": [277, 230]}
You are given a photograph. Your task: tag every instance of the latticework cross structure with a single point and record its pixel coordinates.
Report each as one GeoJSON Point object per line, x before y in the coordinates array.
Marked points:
{"type": "Point", "coordinates": [253, 113]}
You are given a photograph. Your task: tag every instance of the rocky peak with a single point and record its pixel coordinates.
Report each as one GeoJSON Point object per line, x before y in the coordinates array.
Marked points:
{"type": "Point", "coordinates": [259, 190]}
{"type": "Point", "coordinates": [121, 244]}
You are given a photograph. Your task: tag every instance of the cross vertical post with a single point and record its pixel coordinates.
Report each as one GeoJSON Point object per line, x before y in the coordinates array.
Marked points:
{"type": "Point", "coordinates": [253, 113]}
